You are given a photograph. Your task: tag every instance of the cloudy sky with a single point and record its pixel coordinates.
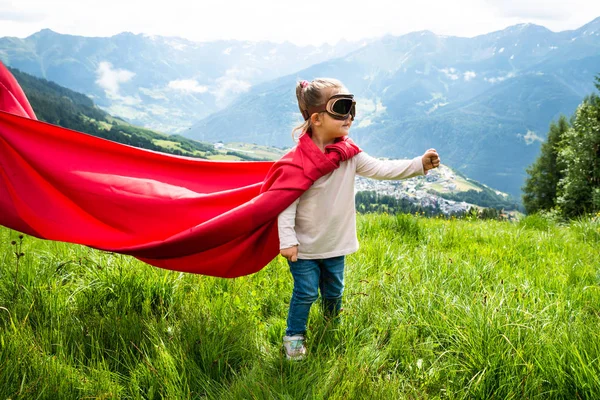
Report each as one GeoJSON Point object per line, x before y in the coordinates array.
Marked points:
{"type": "Point", "coordinates": [301, 22]}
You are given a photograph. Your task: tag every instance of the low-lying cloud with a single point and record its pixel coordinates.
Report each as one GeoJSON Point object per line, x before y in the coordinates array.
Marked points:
{"type": "Point", "coordinates": [469, 75]}
{"type": "Point", "coordinates": [110, 79]}
{"type": "Point", "coordinates": [450, 73]}
{"type": "Point", "coordinates": [530, 137]}
{"type": "Point", "coordinates": [188, 86]}
{"type": "Point", "coordinates": [232, 83]}
{"type": "Point", "coordinates": [500, 78]}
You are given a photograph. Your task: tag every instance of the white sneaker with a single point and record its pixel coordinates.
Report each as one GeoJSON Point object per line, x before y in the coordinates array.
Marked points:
{"type": "Point", "coordinates": [294, 347]}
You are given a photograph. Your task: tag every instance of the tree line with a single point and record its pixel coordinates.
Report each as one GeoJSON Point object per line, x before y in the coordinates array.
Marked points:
{"type": "Point", "coordinates": [485, 197]}
{"type": "Point", "coordinates": [370, 201]}
{"type": "Point", "coordinates": [565, 178]}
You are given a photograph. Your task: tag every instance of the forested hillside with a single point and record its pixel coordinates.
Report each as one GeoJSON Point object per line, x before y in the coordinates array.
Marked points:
{"type": "Point", "coordinates": [61, 106]}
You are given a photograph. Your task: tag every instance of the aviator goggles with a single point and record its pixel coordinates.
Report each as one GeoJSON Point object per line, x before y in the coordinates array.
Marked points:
{"type": "Point", "coordinates": [339, 106]}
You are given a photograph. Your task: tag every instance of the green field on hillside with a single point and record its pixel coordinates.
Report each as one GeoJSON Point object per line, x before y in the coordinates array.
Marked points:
{"type": "Point", "coordinates": [433, 308]}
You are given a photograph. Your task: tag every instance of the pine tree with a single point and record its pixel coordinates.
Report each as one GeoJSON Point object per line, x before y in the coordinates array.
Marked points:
{"type": "Point", "coordinates": [540, 190]}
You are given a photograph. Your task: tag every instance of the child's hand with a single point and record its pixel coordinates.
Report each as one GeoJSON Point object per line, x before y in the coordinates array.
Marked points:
{"type": "Point", "coordinates": [430, 159]}
{"type": "Point", "coordinates": [291, 253]}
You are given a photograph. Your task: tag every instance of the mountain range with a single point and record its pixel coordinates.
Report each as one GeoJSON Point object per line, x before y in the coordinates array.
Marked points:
{"type": "Point", "coordinates": [485, 103]}
{"type": "Point", "coordinates": [162, 83]}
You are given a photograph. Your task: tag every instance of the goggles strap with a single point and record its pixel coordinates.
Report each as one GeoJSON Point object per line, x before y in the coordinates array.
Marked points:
{"type": "Point", "coordinates": [317, 109]}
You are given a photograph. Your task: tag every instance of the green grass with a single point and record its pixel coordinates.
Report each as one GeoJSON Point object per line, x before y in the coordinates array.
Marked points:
{"type": "Point", "coordinates": [433, 308]}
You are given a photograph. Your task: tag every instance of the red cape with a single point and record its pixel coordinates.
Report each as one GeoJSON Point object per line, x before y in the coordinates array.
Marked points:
{"type": "Point", "coordinates": [179, 213]}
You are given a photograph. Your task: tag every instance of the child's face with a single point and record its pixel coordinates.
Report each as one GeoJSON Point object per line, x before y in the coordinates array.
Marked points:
{"type": "Point", "coordinates": [335, 128]}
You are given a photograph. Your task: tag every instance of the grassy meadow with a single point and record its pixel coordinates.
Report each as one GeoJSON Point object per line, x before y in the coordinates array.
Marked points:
{"type": "Point", "coordinates": [433, 308]}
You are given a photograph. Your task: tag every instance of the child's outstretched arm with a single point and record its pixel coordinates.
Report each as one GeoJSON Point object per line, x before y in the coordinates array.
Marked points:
{"type": "Point", "coordinates": [370, 167]}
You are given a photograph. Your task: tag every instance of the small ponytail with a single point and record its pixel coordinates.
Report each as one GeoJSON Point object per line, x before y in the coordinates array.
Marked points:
{"type": "Point", "coordinates": [311, 94]}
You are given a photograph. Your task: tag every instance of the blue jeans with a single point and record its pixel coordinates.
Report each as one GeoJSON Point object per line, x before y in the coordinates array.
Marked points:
{"type": "Point", "coordinates": [309, 276]}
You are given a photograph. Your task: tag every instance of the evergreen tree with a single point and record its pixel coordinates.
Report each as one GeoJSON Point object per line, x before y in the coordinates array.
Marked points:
{"type": "Point", "coordinates": [540, 190]}
{"type": "Point", "coordinates": [579, 189]}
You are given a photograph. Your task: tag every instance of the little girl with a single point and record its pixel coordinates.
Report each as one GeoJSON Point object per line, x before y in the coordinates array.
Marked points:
{"type": "Point", "coordinates": [318, 230]}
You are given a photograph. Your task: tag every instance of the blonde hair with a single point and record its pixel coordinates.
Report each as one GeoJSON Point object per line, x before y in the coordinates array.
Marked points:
{"type": "Point", "coordinates": [312, 95]}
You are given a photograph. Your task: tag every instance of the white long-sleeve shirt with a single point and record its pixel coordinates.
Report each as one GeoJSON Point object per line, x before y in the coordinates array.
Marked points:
{"type": "Point", "coordinates": [322, 221]}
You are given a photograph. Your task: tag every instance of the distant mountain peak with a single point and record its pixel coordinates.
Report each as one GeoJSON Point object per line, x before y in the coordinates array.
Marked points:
{"type": "Point", "coordinates": [420, 33]}
{"type": "Point", "coordinates": [527, 28]}
{"type": "Point", "coordinates": [128, 34]}
{"type": "Point", "coordinates": [412, 36]}
{"type": "Point", "coordinates": [44, 32]}
{"type": "Point", "coordinates": [518, 30]}
{"type": "Point", "coordinates": [594, 24]}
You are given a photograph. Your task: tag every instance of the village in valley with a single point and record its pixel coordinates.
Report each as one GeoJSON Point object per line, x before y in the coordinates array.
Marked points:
{"type": "Point", "coordinates": [425, 190]}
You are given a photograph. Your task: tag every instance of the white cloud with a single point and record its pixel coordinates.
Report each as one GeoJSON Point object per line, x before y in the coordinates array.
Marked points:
{"type": "Point", "coordinates": [437, 100]}
{"type": "Point", "coordinates": [177, 45]}
{"type": "Point", "coordinates": [370, 106]}
{"type": "Point", "coordinates": [530, 137]}
{"type": "Point", "coordinates": [157, 94]}
{"type": "Point", "coordinates": [364, 123]}
{"type": "Point", "coordinates": [450, 73]}
{"type": "Point", "coordinates": [187, 85]}
{"type": "Point", "coordinates": [469, 75]}
{"type": "Point", "coordinates": [227, 87]}
{"type": "Point", "coordinates": [436, 106]}
{"type": "Point", "coordinates": [109, 79]}
{"type": "Point", "coordinates": [500, 78]}
{"type": "Point", "coordinates": [234, 82]}
{"type": "Point", "coordinates": [434, 98]}
{"type": "Point", "coordinates": [129, 100]}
